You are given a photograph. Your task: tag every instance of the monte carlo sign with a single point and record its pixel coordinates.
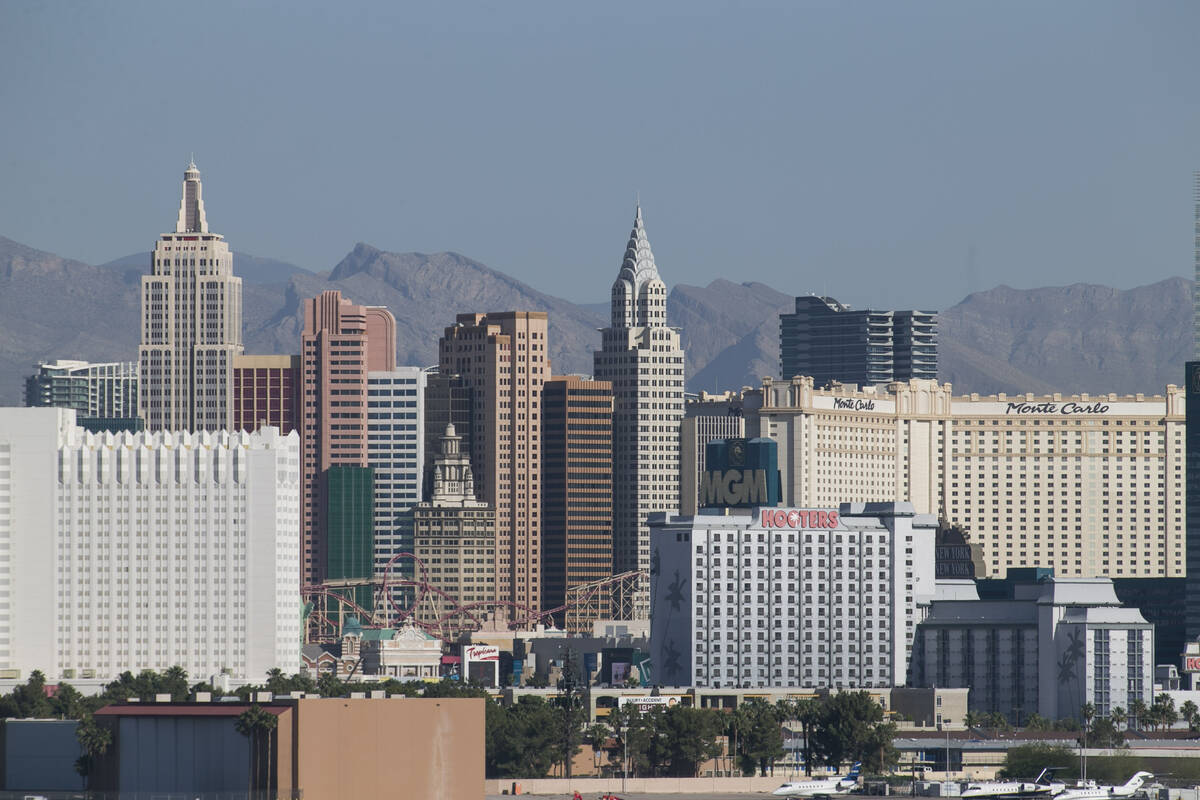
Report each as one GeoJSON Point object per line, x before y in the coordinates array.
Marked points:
{"type": "Point", "coordinates": [740, 473]}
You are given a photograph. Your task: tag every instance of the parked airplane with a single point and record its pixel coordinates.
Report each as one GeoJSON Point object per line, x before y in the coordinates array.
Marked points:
{"type": "Point", "coordinates": [1042, 786]}
{"type": "Point", "coordinates": [1128, 789]}
{"type": "Point", "coordinates": [834, 784]}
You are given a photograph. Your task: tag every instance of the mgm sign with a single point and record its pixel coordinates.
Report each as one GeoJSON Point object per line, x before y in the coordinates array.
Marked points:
{"type": "Point", "coordinates": [740, 473]}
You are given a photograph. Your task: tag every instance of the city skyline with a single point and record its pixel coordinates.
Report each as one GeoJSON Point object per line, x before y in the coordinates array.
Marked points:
{"type": "Point", "coordinates": [853, 161]}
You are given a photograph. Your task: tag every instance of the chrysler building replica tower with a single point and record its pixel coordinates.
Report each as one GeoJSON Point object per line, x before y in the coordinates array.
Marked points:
{"type": "Point", "coordinates": [191, 324]}
{"type": "Point", "coordinates": [643, 359]}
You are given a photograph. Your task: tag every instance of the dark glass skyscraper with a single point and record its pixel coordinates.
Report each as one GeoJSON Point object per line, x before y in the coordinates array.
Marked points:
{"type": "Point", "coordinates": [1192, 491]}
{"type": "Point", "coordinates": [827, 341]}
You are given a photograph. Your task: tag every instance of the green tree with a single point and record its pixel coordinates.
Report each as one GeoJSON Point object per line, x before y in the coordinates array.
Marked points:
{"type": "Point", "coordinates": [1104, 733]}
{"type": "Point", "coordinates": [522, 740]}
{"type": "Point", "coordinates": [597, 735]}
{"type": "Point", "coordinates": [852, 728]}
{"type": "Point", "coordinates": [762, 741]}
{"type": "Point", "coordinates": [1026, 761]}
{"type": "Point", "coordinates": [689, 737]}
{"type": "Point", "coordinates": [257, 724]}
{"type": "Point", "coordinates": [1119, 718]}
{"type": "Point", "coordinates": [1137, 713]}
{"type": "Point", "coordinates": [1165, 713]}
{"type": "Point", "coordinates": [94, 741]}
{"type": "Point", "coordinates": [1037, 722]}
{"type": "Point", "coordinates": [1189, 711]}
{"type": "Point", "coordinates": [330, 685]}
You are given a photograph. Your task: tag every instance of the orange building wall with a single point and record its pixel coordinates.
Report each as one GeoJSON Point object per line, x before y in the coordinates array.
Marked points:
{"type": "Point", "coordinates": [395, 747]}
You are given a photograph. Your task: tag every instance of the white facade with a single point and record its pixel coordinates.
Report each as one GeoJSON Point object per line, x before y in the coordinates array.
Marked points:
{"type": "Point", "coordinates": [816, 598]}
{"type": "Point", "coordinates": [191, 324]}
{"type": "Point", "coordinates": [396, 450]}
{"type": "Point", "coordinates": [144, 551]}
{"type": "Point", "coordinates": [1090, 485]}
{"type": "Point", "coordinates": [1051, 647]}
{"type": "Point", "coordinates": [643, 359]}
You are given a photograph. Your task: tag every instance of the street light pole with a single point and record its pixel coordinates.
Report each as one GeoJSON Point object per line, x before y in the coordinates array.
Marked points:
{"type": "Point", "coordinates": [946, 722]}
{"type": "Point", "coordinates": [624, 758]}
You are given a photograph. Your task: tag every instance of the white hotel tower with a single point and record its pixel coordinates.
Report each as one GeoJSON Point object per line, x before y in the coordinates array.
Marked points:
{"type": "Point", "coordinates": [191, 324]}
{"type": "Point", "coordinates": [643, 359]}
{"type": "Point", "coordinates": [145, 551]}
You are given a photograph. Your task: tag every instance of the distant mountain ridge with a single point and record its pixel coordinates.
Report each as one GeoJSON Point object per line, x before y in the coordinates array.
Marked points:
{"type": "Point", "coordinates": [1070, 339]}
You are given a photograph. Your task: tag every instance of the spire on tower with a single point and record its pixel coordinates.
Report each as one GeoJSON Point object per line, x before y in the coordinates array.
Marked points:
{"type": "Point", "coordinates": [191, 206]}
{"type": "Point", "coordinates": [638, 265]}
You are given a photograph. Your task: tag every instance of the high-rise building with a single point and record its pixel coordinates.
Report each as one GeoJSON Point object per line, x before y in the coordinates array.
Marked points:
{"type": "Point", "coordinates": [643, 360]}
{"type": "Point", "coordinates": [136, 551]}
{"type": "Point", "coordinates": [1048, 647]}
{"type": "Point", "coordinates": [266, 392]}
{"type": "Point", "coordinates": [1191, 492]}
{"type": "Point", "coordinates": [824, 598]}
{"type": "Point", "coordinates": [108, 391]}
{"type": "Point", "coordinates": [191, 324]}
{"type": "Point", "coordinates": [706, 418]}
{"type": "Point", "coordinates": [396, 452]}
{"type": "Point", "coordinates": [454, 538]}
{"type": "Point", "coordinates": [828, 342]}
{"type": "Point", "coordinates": [502, 359]}
{"type": "Point", "coordinates": [577, 501]}
{"type": "Point", "coordinates": [348, 517]}
{"type": "Point", "coordinates": [448, 401]}
{"type": "Point", "coordinates": [1089, 485]}
{"type": "Point", "coordinates": [342, 343]}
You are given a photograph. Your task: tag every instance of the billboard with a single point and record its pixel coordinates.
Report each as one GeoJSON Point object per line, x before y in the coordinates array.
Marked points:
{"type": "Point", "coordinates": [740, 473]}
{"type": "Point", "coordinates": [646, 702]}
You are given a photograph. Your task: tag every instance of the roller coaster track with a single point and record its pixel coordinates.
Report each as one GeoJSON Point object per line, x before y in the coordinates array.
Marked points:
{"type": "Point", "coordinates": [439, 613]}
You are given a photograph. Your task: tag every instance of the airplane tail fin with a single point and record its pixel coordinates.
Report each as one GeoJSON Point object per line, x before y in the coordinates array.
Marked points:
{"type": "Point", "coordinates": [1137, 780]}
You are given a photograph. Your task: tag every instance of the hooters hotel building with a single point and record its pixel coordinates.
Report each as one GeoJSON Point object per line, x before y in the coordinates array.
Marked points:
{"type": "Point", "coordinates": [749, 594]}
{"type": "Point", "coordinates": [1089, 485]}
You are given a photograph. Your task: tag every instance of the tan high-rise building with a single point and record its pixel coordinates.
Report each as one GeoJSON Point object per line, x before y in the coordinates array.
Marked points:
{"type": "Point", "coordinates": [577, 504]}
{"type": "Point", "coordinates": [191, 324]}
{"type": "Point", "coordinates": [341, 343]}
{"type": "Point", "coordinates": [502, 359]}
{"type": "Point", "coordinates": [642, 357]}
{"type": "Point", "coordinates": [454, 539]}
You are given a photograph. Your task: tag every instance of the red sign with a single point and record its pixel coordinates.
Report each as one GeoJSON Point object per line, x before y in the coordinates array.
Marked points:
{"type": "Point", "coordinates": [799, 518]}
{"type": "Point", "coordinates": [1191, 663]}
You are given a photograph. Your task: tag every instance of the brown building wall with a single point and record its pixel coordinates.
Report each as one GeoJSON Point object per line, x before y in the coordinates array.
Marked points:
{"type": "Point", "coordinates": [395, 747]}
{"type": "Point", "coordinates": [502, 358]}
{"type": "Point", "coordinates": [266, 392]}
{"type": "Point", "coordinates": [576, 489]}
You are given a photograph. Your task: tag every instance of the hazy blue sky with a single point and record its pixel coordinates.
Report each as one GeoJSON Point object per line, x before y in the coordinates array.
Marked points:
{"type": "Point", "coordinates": [861, 149]}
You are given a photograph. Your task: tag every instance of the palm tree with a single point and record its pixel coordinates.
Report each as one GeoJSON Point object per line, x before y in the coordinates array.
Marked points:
{"type": "Point", "coordinates": [1118, 717]}
{"type": "Point", "coordinates": [1189, 711]}
{"type": "Point", "coordinates": [596, 735]}
{"type": "Point", "coordinates": [1137, 713]}
{"type": "Point", "coordinates": [253, 723]}
{"type": "Point", "coordinates": [1168, 716]}
{"type": "Point", "coordinates": [93, 741]}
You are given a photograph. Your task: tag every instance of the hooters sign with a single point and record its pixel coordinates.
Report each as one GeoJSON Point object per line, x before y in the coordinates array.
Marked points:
{"type": "Point", "coordinates": [799, 518]}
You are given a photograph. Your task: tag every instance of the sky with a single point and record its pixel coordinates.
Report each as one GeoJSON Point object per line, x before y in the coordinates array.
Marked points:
{"type": "Point", "coordinates": [890, 154]}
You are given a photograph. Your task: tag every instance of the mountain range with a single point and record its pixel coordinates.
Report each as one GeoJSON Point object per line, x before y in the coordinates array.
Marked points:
{"type": "Point", "coordinates": [1068, 339]}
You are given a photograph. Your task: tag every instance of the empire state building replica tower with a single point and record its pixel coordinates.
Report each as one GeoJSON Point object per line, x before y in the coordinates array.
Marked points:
{"type": "Point", "coordinates": [644, 360]}
{"type": "Point", "coordinates": [191, 324]}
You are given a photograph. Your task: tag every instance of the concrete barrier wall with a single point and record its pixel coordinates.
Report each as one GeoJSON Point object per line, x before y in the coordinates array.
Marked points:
{"type": "Point", "coordinates": [597, 786]}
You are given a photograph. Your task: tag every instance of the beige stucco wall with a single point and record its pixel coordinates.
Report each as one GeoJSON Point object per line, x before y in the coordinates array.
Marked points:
{"type": "Point", "coordinates": [394, 747]}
